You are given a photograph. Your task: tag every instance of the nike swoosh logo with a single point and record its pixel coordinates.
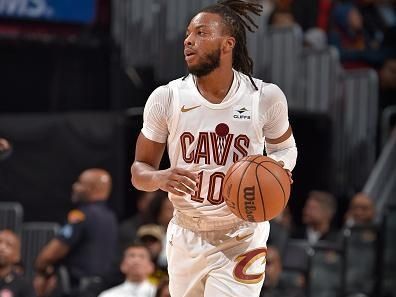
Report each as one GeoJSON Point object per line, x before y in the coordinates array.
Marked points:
{"type": "Point", "coordinates": [184, 109]}
{"type": "Point", "coordinates": [240, 238]}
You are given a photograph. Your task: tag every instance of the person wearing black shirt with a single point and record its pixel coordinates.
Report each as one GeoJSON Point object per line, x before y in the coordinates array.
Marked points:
{"type": "Point", "coordinates": [12, 284]}
{"type": "Point", "coordinates": [87, 244]}
{"type": "Point", "coordinates": [318, 213]}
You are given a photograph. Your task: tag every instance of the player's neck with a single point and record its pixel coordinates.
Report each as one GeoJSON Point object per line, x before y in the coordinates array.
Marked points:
{"type": "Point", "coordinates": [215, 86]}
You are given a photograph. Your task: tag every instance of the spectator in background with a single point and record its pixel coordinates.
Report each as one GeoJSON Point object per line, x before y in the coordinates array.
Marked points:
{"type": "Point", "coordinates": [274, 285]}
{"type": "Point", "coordinates": [311, 14]}
{"type": "Point", "coordinates": [12, 283]}
{"type": "Point", "coordinates": [87, 243]}
{"type": "Point", "coordinates": [387, 78]}
{"type": "Point", "coordinates": [378, 20]}
{"type": "Point", "coordinates": [163, 288]}
{"type": "Point", "coordinates": [5, 149]}
{"type": "Point", "coordinates": [153, 237]}
{"type": "Point", "coordinates": [160, 212]}
{"type": "Point", "coordinates": [285, 219]}
{"type": "Point", "coordinates": [282, 15]}
{"type": "Point", "coordinates": [347, 34]}
{"type": "Point", "coordinates": [318, 212]}
{"type": "Point", "coordinates": [129, 227]}
{"type": "Point", "coordinates": [379, 25]}
{"type": "Point", "coordinates": [136, 266]}
{"type": "Point", "coordinates": [281, 226]}
{"type": "Point", "coordinates": [360, 35]}
{"type": "Point", "coordinates": [361, 211]}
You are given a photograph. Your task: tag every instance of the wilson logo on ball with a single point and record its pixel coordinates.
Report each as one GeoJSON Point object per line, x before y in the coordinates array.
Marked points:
{"type": "Point", "coordinates": [248, 195]}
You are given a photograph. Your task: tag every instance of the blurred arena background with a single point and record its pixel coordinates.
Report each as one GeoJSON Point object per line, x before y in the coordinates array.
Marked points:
{"type": "Point", "coordinates": [75, 75]}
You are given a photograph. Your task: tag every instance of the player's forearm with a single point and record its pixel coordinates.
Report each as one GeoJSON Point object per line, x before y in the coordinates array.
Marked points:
{"type": "Point", "coordinates": [144, 177]}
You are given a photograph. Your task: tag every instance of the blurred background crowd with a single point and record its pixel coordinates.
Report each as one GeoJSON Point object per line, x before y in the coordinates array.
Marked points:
{"type": "Point", "coordinates": [74, 79]}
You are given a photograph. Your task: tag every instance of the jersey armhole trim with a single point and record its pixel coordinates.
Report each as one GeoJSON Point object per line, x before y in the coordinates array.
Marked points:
{"type": "Point", "coordinates": [174, 101]}
{"type": "Point", "coordinates": [256, 112]}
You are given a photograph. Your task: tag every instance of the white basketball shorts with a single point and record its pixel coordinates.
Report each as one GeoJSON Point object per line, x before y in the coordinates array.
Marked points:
{"type": "Point", "coordinates": [221, 263]}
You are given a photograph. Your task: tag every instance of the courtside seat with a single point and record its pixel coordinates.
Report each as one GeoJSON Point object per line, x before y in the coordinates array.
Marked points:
{"type": "Point", "coordinates": [389, 253]}
{"type": "Point", "coordinates": [11, 216]}
{"type": "Point", "coordinates": [361, 258]}
{"type": "Point", "coordinates": [326, 271]}
{"type": "Point", "coordinates": [34, 236]}
{"type": "Point", "coordinates": [278, 237]}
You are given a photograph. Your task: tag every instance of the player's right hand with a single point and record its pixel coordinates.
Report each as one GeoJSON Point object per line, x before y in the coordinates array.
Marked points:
{"type": "Point", "coordinates": [281, 163]}
{"type": "Point", "coordinates": [177, 181]}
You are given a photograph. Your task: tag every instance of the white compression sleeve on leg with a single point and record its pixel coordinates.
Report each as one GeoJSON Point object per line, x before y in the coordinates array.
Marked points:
{"type": "Point", "coordinates": [285, 151]}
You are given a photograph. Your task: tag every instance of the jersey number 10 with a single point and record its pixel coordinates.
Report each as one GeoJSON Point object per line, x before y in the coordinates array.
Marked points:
{"type": "Point", "coordinates": [217, 176]}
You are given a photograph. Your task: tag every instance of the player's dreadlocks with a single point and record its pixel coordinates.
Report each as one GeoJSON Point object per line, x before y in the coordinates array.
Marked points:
{"type": "Point", "coordinates": [235, 14]}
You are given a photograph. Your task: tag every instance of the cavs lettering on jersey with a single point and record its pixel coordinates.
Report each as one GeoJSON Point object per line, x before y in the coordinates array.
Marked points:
{"type": "Point", "coordinates": [208, 138]}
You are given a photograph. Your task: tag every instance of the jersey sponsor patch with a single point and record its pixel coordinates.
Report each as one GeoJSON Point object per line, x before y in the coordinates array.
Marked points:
{"type": "Point", "coordinates": [241, 113]}
{"type": "Point", "coordinates": [75, 216]}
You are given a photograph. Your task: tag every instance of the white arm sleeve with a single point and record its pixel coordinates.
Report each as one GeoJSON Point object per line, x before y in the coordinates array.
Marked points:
{"type": "Point", "coordinates": [275, 122]}
{"type": "Point", "coordinates": [157, 113]}
{"type": "Point", "coordinates": [285, 151]}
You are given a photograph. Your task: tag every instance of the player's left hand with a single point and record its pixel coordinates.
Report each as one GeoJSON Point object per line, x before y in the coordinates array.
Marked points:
{"type": "Point", "coordinates": [287, 170]}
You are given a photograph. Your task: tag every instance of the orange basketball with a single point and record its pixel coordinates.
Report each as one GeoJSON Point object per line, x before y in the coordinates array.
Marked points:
{"type": "Point", "coordinates": [256, 188]}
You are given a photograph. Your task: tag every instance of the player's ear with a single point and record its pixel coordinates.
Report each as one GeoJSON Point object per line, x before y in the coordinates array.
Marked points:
{"type": "Point", "coordinates": [228, 44]}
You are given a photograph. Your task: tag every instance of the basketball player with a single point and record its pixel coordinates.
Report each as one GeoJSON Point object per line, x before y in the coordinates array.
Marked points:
{"type": "Point", "coordinates": [208, 120]}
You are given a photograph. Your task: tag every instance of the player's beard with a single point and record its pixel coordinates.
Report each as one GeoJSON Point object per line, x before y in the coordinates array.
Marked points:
{"type": "Point", "coordinates": [210, 62]}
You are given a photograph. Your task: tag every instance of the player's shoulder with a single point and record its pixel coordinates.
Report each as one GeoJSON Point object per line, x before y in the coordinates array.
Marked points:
{"type": "Point", "coordinates": [166, 90]}
{"type": "Point", "coordinates": [260, 84]}
{"type": "Point", "coordinates": [161, 91]}
{"type": "Point", "coordinates": [272, 93]}
{"type": "Point", "coordinates": [268, 88]}
{"type": "Point", "coordinates": [271, 89]}
{"type": "Point", "coordinates": [181, 83]}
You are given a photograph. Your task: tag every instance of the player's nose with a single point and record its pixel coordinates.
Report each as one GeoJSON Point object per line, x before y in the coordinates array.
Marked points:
{"type": "Point", "coordinates": [188, 41]}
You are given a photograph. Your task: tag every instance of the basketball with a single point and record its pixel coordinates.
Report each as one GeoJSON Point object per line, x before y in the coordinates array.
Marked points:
{"type": "Point", "coordinates": [256, 188]}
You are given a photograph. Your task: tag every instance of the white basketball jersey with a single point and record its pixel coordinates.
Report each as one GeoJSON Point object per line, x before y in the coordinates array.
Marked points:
{"type": "Point", "coordinates": [208, 138]}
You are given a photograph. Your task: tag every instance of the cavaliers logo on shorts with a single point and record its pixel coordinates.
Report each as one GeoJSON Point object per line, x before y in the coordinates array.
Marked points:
{"type": "Point", "coordinates": [253, 259]}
